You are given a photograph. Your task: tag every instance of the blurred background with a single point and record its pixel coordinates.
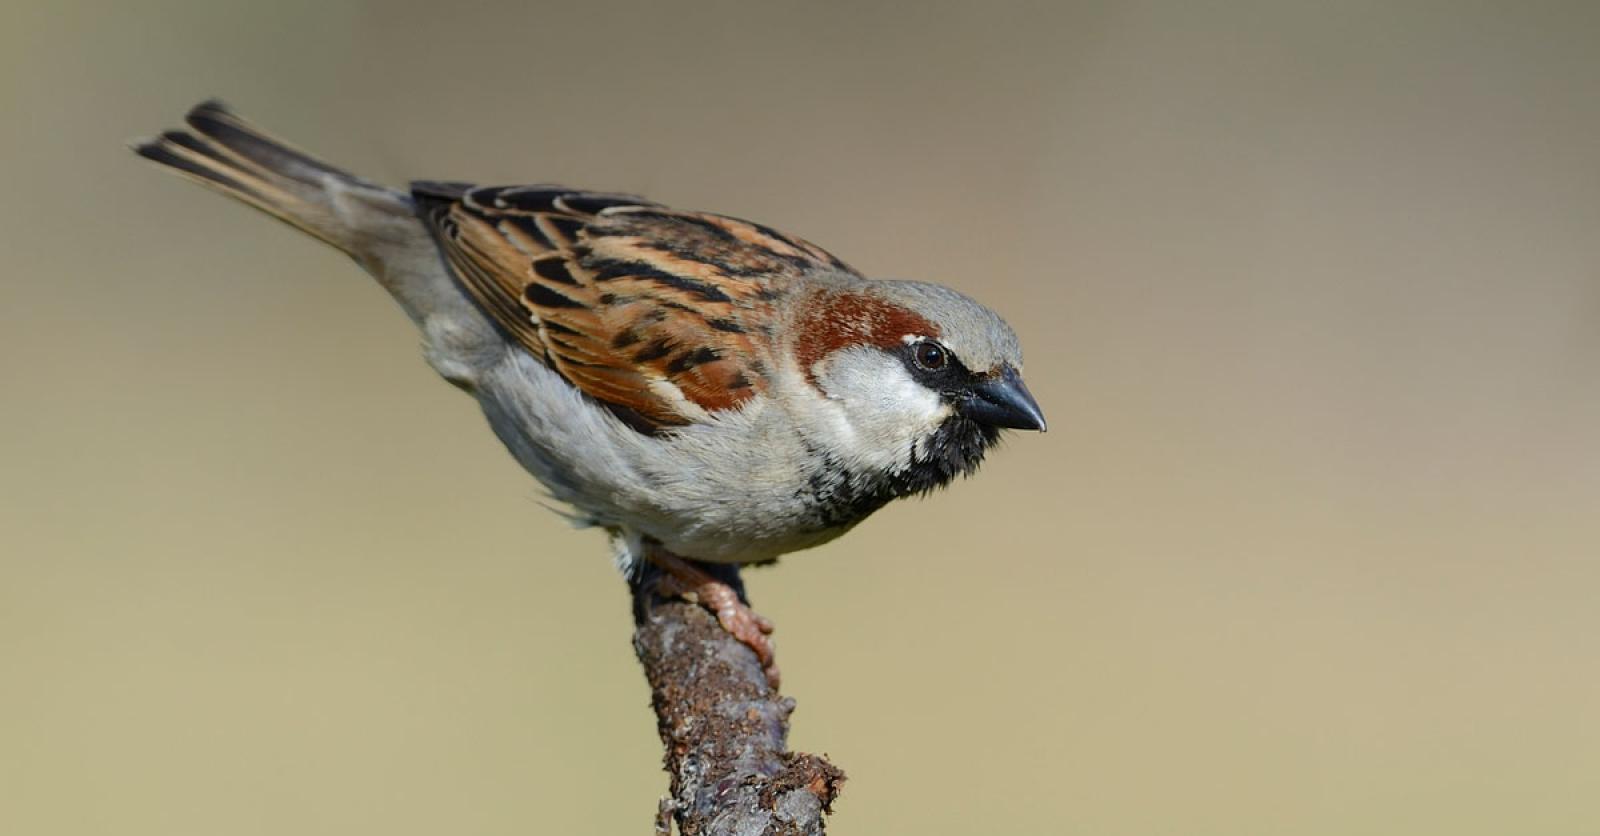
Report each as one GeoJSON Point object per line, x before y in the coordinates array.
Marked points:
{"type": "Point", "coordinates": [1310, 293]}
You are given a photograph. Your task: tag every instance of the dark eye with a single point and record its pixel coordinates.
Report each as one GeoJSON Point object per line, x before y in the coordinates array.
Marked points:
{"type": "Point", "coordinates": [931, 356]}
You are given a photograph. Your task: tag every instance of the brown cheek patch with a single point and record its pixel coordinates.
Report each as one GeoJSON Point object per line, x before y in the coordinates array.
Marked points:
{"type": "Point", "coordinates": [844, 320]}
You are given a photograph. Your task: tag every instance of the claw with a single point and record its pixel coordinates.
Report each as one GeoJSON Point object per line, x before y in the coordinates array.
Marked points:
{"type": "Point", "coordinates": [745, 624]}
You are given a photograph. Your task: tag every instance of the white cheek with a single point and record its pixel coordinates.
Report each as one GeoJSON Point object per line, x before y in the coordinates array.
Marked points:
{"type": "Point", "coordinates": [916, 402]}
{"type": "Point", "coordinates": [876, 390]}
{"type": "Point", "coordinates": [878, 411]}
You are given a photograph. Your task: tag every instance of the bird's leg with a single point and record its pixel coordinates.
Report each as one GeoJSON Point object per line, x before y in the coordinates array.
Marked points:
{"type": "Point", "coordinates": [682, 577]}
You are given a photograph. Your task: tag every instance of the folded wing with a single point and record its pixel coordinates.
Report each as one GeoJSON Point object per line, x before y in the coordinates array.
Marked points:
{"type": "Point", "coordinates": [660, 314]}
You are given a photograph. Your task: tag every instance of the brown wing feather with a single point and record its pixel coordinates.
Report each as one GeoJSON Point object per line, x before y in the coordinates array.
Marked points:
{"type": "Point", "coordinates": [656, 312]}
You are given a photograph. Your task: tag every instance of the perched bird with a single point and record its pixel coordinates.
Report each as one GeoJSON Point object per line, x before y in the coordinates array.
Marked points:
{"type": "Point", "coordinates": [703, 388]}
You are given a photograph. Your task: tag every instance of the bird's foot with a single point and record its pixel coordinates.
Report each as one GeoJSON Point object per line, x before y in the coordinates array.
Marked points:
{"type": "Point", "coordinates": [748, 626]}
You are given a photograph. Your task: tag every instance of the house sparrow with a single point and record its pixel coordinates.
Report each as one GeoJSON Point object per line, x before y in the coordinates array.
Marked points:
{"type": "Point", "coordinates": [703, 388]}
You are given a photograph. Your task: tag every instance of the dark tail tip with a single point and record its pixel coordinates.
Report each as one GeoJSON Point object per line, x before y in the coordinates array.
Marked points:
{"type": "Point", "coordinates": [214, 120]}
{"type": "Point", "coordinates": [211, 105]}
{"type": "Point", "coordinates": [163, 150]}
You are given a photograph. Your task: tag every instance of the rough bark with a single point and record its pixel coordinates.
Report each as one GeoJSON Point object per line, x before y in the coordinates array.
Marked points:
{"type": "Point", "coordinates": [723, 727]}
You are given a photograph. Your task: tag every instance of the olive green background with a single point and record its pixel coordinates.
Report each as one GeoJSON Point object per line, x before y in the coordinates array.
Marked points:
{"type": "Point", "coordinates": [1310, 294]}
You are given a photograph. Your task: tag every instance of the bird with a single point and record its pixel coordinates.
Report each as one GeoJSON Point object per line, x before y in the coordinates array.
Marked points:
{"type": "Point", "coordinates": [705, 389]}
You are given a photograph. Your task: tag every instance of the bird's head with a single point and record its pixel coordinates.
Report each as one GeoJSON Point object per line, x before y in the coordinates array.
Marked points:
{"type": "Point", "coordinates": [922, 379]}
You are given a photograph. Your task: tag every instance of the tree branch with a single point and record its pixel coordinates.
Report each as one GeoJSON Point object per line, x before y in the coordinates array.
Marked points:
{"type": "Point", "coordinates": [723, 728]}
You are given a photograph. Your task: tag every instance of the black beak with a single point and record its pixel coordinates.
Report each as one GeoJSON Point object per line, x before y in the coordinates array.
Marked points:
{"type": "Point", "coordinates": [1003, 401]}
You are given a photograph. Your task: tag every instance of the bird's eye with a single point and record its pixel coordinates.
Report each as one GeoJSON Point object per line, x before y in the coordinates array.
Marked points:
{"type": "Point", "coordinates": [931, 356]}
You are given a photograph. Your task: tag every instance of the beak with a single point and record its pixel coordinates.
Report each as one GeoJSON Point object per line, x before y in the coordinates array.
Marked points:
{"type": "Point", "coordinates": [1003, 401]}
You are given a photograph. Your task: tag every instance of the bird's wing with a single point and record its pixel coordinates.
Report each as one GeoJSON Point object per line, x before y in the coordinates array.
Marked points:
{"type": "Point", "coordinates": [660, 314]}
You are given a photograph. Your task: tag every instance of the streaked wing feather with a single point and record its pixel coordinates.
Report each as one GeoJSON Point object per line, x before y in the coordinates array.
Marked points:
{"type": "Point", "coordinates": [656, 312]}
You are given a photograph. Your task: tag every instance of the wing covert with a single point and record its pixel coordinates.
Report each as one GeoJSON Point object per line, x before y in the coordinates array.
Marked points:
{"type": "Point", "coordinates": [660, 314]}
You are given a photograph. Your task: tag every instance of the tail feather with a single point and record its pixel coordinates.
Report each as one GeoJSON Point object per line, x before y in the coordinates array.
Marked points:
{"type": "Point", "coordinates": [228, 154]}
{"type": "Point", "coordinates": [377, 226]}
{"type": "Point", "coordinates": [216, 122]}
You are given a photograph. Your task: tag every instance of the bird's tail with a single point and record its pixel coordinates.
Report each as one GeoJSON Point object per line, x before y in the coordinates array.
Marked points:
{"type": "Point", "coordinates": [224, 152]}
{"type": "Point", "coordinates": [377, 226]}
